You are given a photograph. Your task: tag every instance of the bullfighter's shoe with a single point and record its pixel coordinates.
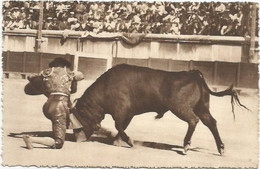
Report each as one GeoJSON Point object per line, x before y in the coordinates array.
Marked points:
{"type": "Point", "coordinates": [28, 142]}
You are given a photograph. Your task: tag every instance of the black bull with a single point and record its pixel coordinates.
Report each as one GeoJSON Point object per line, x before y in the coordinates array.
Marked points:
{"type": "Point", "coordinates": [125, 91]}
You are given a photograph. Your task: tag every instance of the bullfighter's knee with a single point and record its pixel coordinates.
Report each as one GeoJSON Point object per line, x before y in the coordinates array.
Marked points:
{"type": "Point", "coordinates": [58, 144]}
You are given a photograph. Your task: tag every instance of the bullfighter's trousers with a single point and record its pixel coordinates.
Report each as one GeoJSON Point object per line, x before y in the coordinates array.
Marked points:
{"type": "Point", "coordinates": [56, 109]}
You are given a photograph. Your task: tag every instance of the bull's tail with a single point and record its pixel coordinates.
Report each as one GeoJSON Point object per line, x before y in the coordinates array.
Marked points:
{"type": "Point", "coordinates": [229, 91]}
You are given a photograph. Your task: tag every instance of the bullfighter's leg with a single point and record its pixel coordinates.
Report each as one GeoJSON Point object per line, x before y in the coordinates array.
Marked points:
{"type": "Point", "coordinates": [121, 124]}
{"type": "Point", "coordinates": [203, 113]}
{"type": "Point", "coordinates": [59, 121]}
{"type": "Point", "coordinates": [192, 120]}
{"type": "Point", "coordinates": [46, 141]}
{"type": "Point", "coordinates": [57, 112]}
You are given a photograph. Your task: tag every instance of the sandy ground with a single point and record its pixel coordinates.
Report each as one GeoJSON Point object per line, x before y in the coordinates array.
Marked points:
{"type": "Point", "coordinates": [158, 143]}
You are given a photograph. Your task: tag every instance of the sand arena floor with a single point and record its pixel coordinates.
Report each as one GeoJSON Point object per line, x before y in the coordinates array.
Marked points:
{"type": "Point", "coordinates": [158, 143]}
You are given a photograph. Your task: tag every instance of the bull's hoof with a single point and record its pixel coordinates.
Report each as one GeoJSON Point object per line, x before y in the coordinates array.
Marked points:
{"type": "Point", "coordinates": [221, 149]}
{"type": "Point", "coordinates": [80, 136]}
{"type": "Point", "coordinates": [116, 142]}
{"type": "Point", "coordinates": [186, 149]}
{"type": "Point", "coordinates": [120, 143]}
{"type": "Point", "coordinates": [130, 142]}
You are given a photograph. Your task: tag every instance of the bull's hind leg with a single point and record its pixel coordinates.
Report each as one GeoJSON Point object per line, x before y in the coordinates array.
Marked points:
{"type": "Point", "coordinates": [192, 121]}
{"type": "Point", "coordinates": [203, 113]}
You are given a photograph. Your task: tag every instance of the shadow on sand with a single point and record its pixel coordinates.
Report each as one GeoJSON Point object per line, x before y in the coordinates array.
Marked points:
{"type": "Point", "coordinates": [106, 137]}
{"type": "Point", "coordinates": [69, 136]}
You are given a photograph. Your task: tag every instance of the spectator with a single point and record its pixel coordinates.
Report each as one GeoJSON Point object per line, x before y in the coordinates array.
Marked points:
{"type": "Point", "coordinates": [156, 27]}
{"type": "Point", "coordinates": [166, 27]}
{"type": "Point", "coordinates": [220, 8]}
{"type": "Point", "coordinates": [129, 8]}
{"type": "Point", "coordinates": [80, 10]}
{"type": "Point", "coordinates": [109, 15]}
{"type": "Point", "coordinates": [109, 25]}
{"type": "Point", "coordinates": [34, 17]}
{"type": "Point", "coordinates": [63, 24]}
{"type": "Point", "coordinates": [195, 24]}
{"type": "Point", "coordinates": [74, 25]}
{"type": "Point", "coordinates": [7, 22]}
{"type": "Point", "coordinates": [170, 17]}
{"type": "Point", "coordinates": [175, 29]}
{"type": "Point", "coordinates": [22, 14]}
{"type": "Point", "coordinates": [228, 28]}
{"type": "Point", "coordinates": [161, 8]}
{"type": "Point", "coordinates": [54, 24]}
{"type": "Point", "coordinates": [60, 7]}
{"type": "Point", "coordinates": [245, 22]}
{"type": "Point", "coordinates": [121, 27]}
{"type": "Point", "coordinates": [152, 8]}
{"type": "Point", "coordinates": [194, 6]}
{"type": "Point", "coordinates": [71, 17]}
{"type": "Point", "coordinates": [17, 24]}
{"type": "Point", "coordinates": [137, 18]}
{"type": "Point", "coordinates": [59, 15]}
{"type": "Point", "coordinates": [97, 26]}
{"type": "Point", "coordinates": [46, 25]}
{"type": "Point", "coordinates": [15, 13]}
{"type": "Point", "coordinates": [98, 14]}
{"type": "Point", "coordinates": [89, 26]}
{"type": "Point", "coordinates": [205, 19]}
{"type": "Point", "coordinates": [201, 18]}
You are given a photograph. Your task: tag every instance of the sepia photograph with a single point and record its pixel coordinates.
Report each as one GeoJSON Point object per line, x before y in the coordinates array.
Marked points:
{"type": "Point", "coordinates": [130, 84]}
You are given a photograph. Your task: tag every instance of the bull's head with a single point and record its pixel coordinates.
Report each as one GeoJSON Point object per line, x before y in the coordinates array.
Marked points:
{"type": "Point", "coordinates": [88, 127]}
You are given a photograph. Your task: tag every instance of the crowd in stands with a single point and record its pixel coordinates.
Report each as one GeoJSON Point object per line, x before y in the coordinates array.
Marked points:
{"type": "Point", "coordinates": [185, 18]}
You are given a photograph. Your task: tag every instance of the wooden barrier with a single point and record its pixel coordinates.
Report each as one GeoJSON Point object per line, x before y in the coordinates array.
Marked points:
{"type": "Point", "coordinates": [92, 68]}
{"type": "Point", "coordinates": [29, 62]}
{"type": "Point", "coordinates": [177, 47]}
{"type": "Point", "coordinates": [222, 60]}
{"type": "Point", "coordinates": [215, 73]}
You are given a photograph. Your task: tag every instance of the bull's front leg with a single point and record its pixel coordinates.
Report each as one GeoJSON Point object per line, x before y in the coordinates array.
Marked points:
{"type": "Point", "coordinates": [119, 141]}
{"type": "Point", "coordinates": [121, 125]}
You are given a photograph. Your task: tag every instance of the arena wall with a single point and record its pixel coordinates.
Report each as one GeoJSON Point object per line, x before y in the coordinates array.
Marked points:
{"type": "Point", "coordinates": [223, 60]}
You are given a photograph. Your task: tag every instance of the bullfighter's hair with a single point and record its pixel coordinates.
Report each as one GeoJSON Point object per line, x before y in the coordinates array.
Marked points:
{"type": "Point", "coordinates": [59, 62]}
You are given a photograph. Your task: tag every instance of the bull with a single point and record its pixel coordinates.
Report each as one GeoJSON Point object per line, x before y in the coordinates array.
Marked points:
{"type": "Point", "coordinates": [125, 91]}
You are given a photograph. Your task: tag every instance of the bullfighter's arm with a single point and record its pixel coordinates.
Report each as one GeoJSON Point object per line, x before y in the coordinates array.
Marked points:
{"type": "Point", "coordinates": [74, 86]}
{"type": "Point", "coordinates": [77, 77]}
